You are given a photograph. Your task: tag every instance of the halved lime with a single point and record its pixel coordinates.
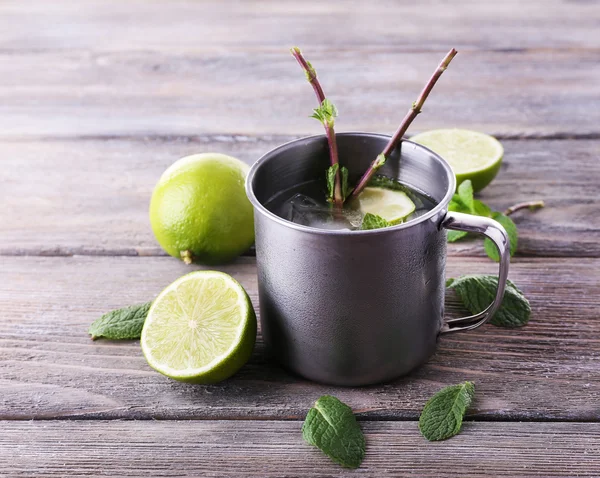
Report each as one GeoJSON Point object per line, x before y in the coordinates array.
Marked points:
{"type": "Point", "coordinates": [472, 155]}
{"type": "Point", "coordinates": [391, 205]}
{"type": "Point", "coordinates": [201, 328]}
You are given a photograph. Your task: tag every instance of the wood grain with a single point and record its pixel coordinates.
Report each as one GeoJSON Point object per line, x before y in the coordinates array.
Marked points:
{"type": "Point", "coordinates": [116, 93]}
{"type": "Point", "coordinates": [64, 197]}
{"type": "Point", "coordinates": [97, 98]}
{"type": "Point", "coordinates": [207, 25]}
{"type": "Point", "coordinates": [269, 449]}
{"type": "Point", "coordinates": [49, 368]}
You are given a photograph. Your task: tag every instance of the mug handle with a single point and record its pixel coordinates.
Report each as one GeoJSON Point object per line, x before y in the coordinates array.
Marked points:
{"type": "Point", "coordinates": [494, 231]}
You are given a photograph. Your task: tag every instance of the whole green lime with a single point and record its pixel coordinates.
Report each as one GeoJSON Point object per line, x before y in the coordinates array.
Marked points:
{"type": "Point", "coordinates": [199, 211]}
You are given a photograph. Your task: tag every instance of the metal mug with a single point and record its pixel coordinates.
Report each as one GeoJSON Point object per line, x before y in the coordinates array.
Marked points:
{"type": "Point", "coordinates": [358, 307]}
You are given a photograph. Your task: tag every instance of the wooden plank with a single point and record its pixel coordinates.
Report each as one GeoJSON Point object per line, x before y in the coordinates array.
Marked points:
{"type": "Point", "coordinates": [91, 197]}
{"type": "Point", "coordinates": [49, 368]}
{"type": "Point", "coordinates": [142, 25]}
{"type": "Point", "coordinates": [515, 93]}
{"type": "Point", "coordinates": [269, 449]}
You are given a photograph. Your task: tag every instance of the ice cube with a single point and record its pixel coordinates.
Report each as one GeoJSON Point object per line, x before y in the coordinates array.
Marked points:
{"type": "Point", "coordinates": [354, 217]}
{"type": "Point", "coordinates": [309, 212]}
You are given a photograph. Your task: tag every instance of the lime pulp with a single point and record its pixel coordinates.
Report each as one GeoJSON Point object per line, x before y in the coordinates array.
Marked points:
{"type": "Point", "coordinates": [393, 206]}
{"type": "Point", "coordinates": [201, 328]}
{"type": "Point", "coordinates": [472, 155]}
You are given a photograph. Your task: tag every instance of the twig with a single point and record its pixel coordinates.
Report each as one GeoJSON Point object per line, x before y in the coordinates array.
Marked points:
{"type": "Point", "coordinates": [523, 205]}
{"type": "Point", "coordinates": [311, 76]}
{"type": "Point", "coordinates": [408, 119]}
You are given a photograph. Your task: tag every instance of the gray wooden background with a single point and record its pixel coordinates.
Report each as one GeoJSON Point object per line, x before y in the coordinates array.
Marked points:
{"type": "Point", "coordinates": [98, 97]}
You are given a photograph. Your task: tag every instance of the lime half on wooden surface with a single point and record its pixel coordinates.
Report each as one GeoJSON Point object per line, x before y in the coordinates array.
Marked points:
{"type": "Point", "coordinates": [394, 206]}
{"type": "Point", "coordinates": [200, 329]}
{"type": "Point", "coordinates": [472, 155]}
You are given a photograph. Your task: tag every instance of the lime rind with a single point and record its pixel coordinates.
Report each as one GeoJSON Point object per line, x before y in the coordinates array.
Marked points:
{"type": "Point", "coordinates": [182, 165]}
{"type": "Point", "coordinates": [471, 154]}
{"type": "Point", "coordinates": [203, 340]}
{"type": "Point", "coordinates": [199, 211]}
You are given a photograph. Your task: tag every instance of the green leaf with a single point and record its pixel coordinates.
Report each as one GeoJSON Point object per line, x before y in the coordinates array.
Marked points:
{"type": "Point", "coordinates": [443, 413]}
{"type": "Point", "coordinates": [476, 292]}
{"type": "Point", "coordinates": [465, 193]}
{"type": "Point", "coordinates": [380, 181]}
{"type": "Point", "coordinates": [345, 189]}
{"type": "Point", "coordinates": [330, 177]}
{"type": "Point", "coordinates": [326, 112]}
{"type": "Point", "coordinates": [331, 109]}
{"type": "Point", "coordinates": [311, 73]}
{"type": "Point", "coordinates": [456, 205]}
{"type": "Point", "coordinates": [121, 324]}
{"type": "Point", "coordinates": [380, 160]}
{"type": "Point", "coordinates": [454, 236]}
{"type": "Point", "coordinates": [331, 426]}
{"type": "Point", "coordinates": [373, 221]}
{"type": "Point", "coordinates": [513, 237]}
{"type": "Point", "coordinates": [481, 209]}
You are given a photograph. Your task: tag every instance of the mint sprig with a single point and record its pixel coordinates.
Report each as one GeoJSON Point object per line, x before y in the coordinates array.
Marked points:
{"type": "Point", "coordinates": [408, 119]}
{"type": "Point", "coordinates": [330, 179]}
{"type": "Point", "coordinates": [121, 324]}
{"type": "Point", "coordinates": [325, 113]}
{"type": "Point", "coordinates": [476, 292]}
{"type": "Point", "coordinates": [464, 202]}
{"type": "Point", "coordinates": [332, 427]}
{"type": "Point", "coordinates": [443, 414]}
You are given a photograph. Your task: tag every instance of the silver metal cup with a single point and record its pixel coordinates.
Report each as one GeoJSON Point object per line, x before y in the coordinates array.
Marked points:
{"type": "Point", "coordinates": [358, 307]}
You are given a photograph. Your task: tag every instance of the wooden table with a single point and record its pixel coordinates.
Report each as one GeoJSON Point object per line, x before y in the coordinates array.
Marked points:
{"type": "Point", "coordinates": [97, 98]}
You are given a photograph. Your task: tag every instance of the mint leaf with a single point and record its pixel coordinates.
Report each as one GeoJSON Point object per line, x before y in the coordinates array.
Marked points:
{"type": "Point", "coordinates": [513, 237]}
{"type": "Point", "coordinates": [443, 413]}
{"type": "Point", "coordinates": [326, 113]}
{"type": "Point", "coordinates": [379, 160]}
{"type": "Point", "coordinates": [373, 221]}
{"type": "Point", "coordinates": [121, 324]}
{"type": "Point", "coordinates": [454, 236]}
{"type": "Point", "coordinates": [478, 291]}
{"type": "Point", "coordinates": [331, 426]}
{"type": "Point", "coordinates": [330, 176]}
{"type": "Point", "coordinates": [481, 209]}
{"type": "Point", "coordinates": [465, 193]}
{"type": "Point", "coordinates": [380, 181]}
{"type": "Point", "coordinates": [456, 205]}
{"type": "Point", "coordinates": [311, 73]}
{"type": "Point", "coordinates": [473, 206]}
{"type": "Point", "coordinates": [345, 189]}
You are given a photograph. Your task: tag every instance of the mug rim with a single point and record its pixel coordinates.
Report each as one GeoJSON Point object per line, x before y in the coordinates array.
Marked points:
{"type": "Point", "coordinates": [258, 206]}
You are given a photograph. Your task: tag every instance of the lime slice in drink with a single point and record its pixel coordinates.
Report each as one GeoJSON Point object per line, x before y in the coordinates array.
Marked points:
{"type": "Point", "coordinates": [391, 205]}
{"type": "Point", "coordinates": [472, 155]}
{"type": "Point", "coordinates": [201, 328]}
